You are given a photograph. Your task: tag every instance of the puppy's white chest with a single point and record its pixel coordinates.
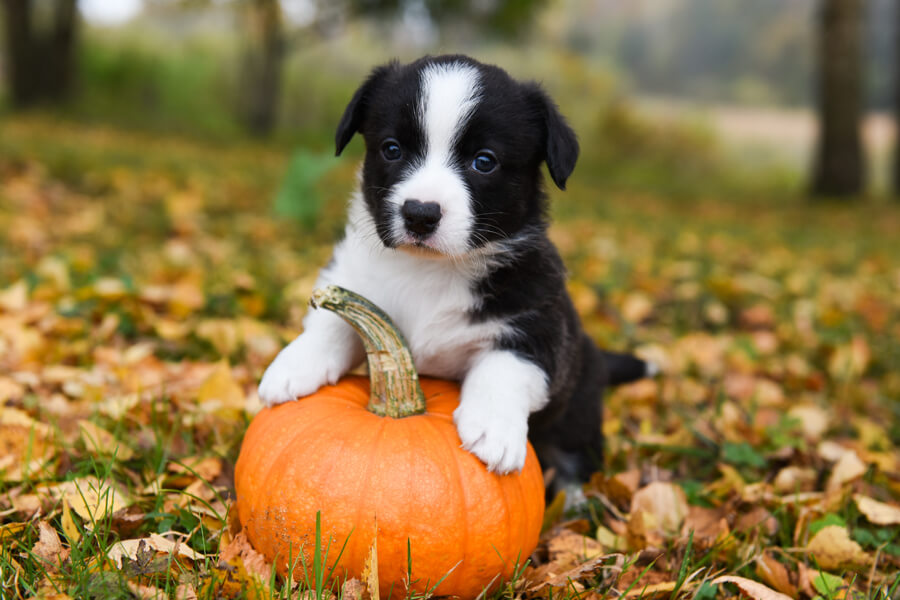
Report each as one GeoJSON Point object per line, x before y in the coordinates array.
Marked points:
{"type": "Point", "coordinates": [430, 300]}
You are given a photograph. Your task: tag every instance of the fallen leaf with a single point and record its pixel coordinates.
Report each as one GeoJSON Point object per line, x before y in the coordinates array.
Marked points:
{"type": "Point", "coordinates": [848, 468]}
{"type": "Point", "coordinates": [754, 589]}
{"type": "Point", "coordinates": [25, 445]}
{"type": "Point", "coordinates": [832, 548]}
{"type": "Point", "coordinates": [73, 534]}
{"type": "Point", "coordinates": [130, 549]}
{"type": "Point", "coordinates": [370, 570]}
{"type": "Point", "coordinates": [49, 548]}
{"type": "Point", "coordinates": [878, 513]}
{"type": "Point", "coordinates": [665, 504]}
{"type": "Point", "coordinates": [813, 420]}
{"type": "Point", "coordinates": [239, 551]}
{"type": "Point", "coordinates": [775, 574]}
{"type": "Point", "coordinates": [793, 479]}
{"type": "Point", "coordinates": [92, 499]}
{"type": "Point", "coordinates": [649, 591]}
{"type": "Point", "coordinates": [220, 393]}
{"type": "Point", "coordinates": [102, 442]}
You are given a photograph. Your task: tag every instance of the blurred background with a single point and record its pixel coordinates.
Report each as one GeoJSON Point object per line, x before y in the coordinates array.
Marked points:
{"type": "Point", "coordinates": [678, 95]}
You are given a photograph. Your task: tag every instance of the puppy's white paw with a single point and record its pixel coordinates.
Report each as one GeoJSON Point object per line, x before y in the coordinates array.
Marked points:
{"type": "Point", "coordinates": [298, 370]}
{"type": "Point", "coordinates": [498, 437]}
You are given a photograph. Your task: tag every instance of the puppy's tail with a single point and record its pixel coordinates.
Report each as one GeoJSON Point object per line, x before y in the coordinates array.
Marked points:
{"type": "Point", "coordinates": [625, 368]}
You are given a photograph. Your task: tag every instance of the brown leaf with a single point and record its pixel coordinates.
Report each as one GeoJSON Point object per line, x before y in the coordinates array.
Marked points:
{"type": "Point", "coordinates": [775, 574]}
{"type": "Point", "coordinates": [239, 551]}
{"type": "Point", "coordinates": [754, 589]}
{"type": "Point", "coordinates": [130, 548]}
{"type": "Point", "coordinates": [352, 589]}
{"type": "Point", "coordinates": [48, 548]}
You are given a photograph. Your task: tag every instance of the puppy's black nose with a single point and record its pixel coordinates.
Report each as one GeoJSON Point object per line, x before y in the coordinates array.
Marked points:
{"type": "Point", "coordinates": [421, 218]}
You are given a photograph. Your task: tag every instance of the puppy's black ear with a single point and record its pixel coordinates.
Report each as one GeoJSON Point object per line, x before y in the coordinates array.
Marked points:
{"type": "Point", "coordinates": [561, 145]}
{"type": "Point", "coordinates": [355, 113]}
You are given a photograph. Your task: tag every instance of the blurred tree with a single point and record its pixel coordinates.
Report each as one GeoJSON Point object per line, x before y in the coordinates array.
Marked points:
{"type": "Point", "coordinates": [897, 100]}
{"type": "Point", "coordinates": [268, 39]}
{"type": "Point", "coordinates": [40, 45]}
{"type": "Point", "coordinates": [262, 64]}
{"type": "Point", "coordinates": [839, 168]}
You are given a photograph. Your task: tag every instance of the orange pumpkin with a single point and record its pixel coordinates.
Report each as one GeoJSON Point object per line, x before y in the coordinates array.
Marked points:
{"type": "Point", "coordinates": [404, 481]}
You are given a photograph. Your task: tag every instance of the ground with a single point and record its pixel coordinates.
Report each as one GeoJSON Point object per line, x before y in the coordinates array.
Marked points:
{"type": "Point", "coordinates": [145, 283]}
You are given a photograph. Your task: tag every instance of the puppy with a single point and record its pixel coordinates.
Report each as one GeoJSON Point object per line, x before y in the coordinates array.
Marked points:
{"type": "Point", "coordinates": [448, 234]}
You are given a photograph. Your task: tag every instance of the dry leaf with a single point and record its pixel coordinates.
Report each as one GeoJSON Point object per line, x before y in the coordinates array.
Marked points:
{"type": "Point", "coordinates": [48, 548]}
{"type": "Point", "coordinates": [832, 548]}
{"type": "Point", "coordinates": [99, 440]}
{"type": "Point", "coordinates": [848, 468]}
{"type": "Point", "coordinates": [130, 548]}
{"type": "Point", "coordinates": [775, 574]}
{"type": "Point", "coordinates": [92, 499]}
{"type": "Point", "coordinates": [221, 394]}
{"type": "Point", "coordinates": [754, 589]}
{"type": "Point", "coordinates": [878, 513]}
{"type": "Point", "coordinates": [370, 570]}
{"type": "Point", "coordinates": [26, 445]}
{"type": "Point", "coordinates": [650, 591]}
{"type": "Point", "coordinates": [664, 506]}
{"type": "Point", "coordinates": [814, 420]}
{"type": "Point", "coordinates": [239, 551]}
{"type": "Point", "coordinates": [68, 523]}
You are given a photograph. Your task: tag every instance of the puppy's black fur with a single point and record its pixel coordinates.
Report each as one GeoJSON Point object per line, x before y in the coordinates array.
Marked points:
{"type": "Point", "coordinates": [525, 284]}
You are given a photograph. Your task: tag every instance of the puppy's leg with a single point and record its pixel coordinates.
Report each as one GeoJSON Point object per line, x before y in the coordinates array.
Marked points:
{"type": "Point", "coordinates": [499, 392]}
{"type": "Point", "coordinates": [327, 348]}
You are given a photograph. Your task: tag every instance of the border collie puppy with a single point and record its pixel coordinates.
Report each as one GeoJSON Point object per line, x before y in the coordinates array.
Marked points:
{"type": "Point", "coordinates": [448, 234]}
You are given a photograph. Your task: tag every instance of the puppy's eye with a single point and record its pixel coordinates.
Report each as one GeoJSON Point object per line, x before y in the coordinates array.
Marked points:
{"type": "Point", "coordinates": [485, 162]}
{"type": "Point", "coordinates": [390, 150]}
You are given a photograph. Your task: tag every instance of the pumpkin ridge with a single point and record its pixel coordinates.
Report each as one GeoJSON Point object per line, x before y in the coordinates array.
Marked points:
{"type": "Point", "coordinates": [364, 487]}
{"type": "Point", "coordinates": [461, 498]}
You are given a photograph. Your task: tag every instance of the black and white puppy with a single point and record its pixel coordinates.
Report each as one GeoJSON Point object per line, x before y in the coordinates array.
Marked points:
{"type": "Point", "coordinates": [447, 234]}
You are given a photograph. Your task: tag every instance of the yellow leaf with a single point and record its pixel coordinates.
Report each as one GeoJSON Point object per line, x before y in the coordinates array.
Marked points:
{"type": "Point", "coordinates": [832, 548]}
{"type": "Point", "coordinates": [755, 590]}
{"type": "Point", "coordinates": [68, 523]}
{"type": "Point", "coordinates": [101, 441]}
{"type": "Point", "coordinates": [220, 393]}
{"type": "Point", "coordinates": [223, 334]}
{"type": "Point", "coordinates": [15, 297]}
{"type": "Point", "coordinates": [878, 513]}
{"type": "Point", "coordinates": [370, 570]}
{"type": "Point", "coordinates": [25, 443]}
{"type": "Point", "coordinates": [92, 499]}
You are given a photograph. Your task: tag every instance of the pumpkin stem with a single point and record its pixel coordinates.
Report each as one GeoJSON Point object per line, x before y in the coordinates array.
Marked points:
{"type": "Point", "coordinates": [395, 390]}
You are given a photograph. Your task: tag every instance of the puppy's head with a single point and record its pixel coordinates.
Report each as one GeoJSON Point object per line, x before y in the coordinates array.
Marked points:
{"type": "Point", "coordinates": [453, 153]}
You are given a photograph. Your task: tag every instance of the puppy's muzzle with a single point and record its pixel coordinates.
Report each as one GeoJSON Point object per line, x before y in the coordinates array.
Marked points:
{"type": "Point", "coordinates": [421, 218]}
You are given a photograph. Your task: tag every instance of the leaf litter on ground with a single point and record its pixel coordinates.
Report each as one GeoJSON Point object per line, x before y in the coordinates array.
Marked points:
{"type": "Point", "coordinates": [139, 305]}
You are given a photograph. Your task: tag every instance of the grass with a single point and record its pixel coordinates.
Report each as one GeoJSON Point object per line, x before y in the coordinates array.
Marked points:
{"type": "Point", "coordinates": [134, 264]}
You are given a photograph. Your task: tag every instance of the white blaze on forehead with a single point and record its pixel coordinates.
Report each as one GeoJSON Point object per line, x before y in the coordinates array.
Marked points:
{"type": "Point", "coordinates": [449, 96]}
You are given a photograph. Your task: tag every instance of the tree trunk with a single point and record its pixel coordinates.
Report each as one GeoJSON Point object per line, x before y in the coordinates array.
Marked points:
{"type": "Point", "coordinates": [897, 100]}
{"type": "Point", "coordinates": [41, 61]}
{"type": "Point", "coordinates": [263, 66]}
{"type": "Point", "coordinates": [839, 169]}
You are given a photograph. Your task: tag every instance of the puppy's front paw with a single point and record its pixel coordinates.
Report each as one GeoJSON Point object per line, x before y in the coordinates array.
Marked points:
{"type": "Point", "coordinates": [298, 370]}
{"type": "Point", "coordinates": [499, 438]}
